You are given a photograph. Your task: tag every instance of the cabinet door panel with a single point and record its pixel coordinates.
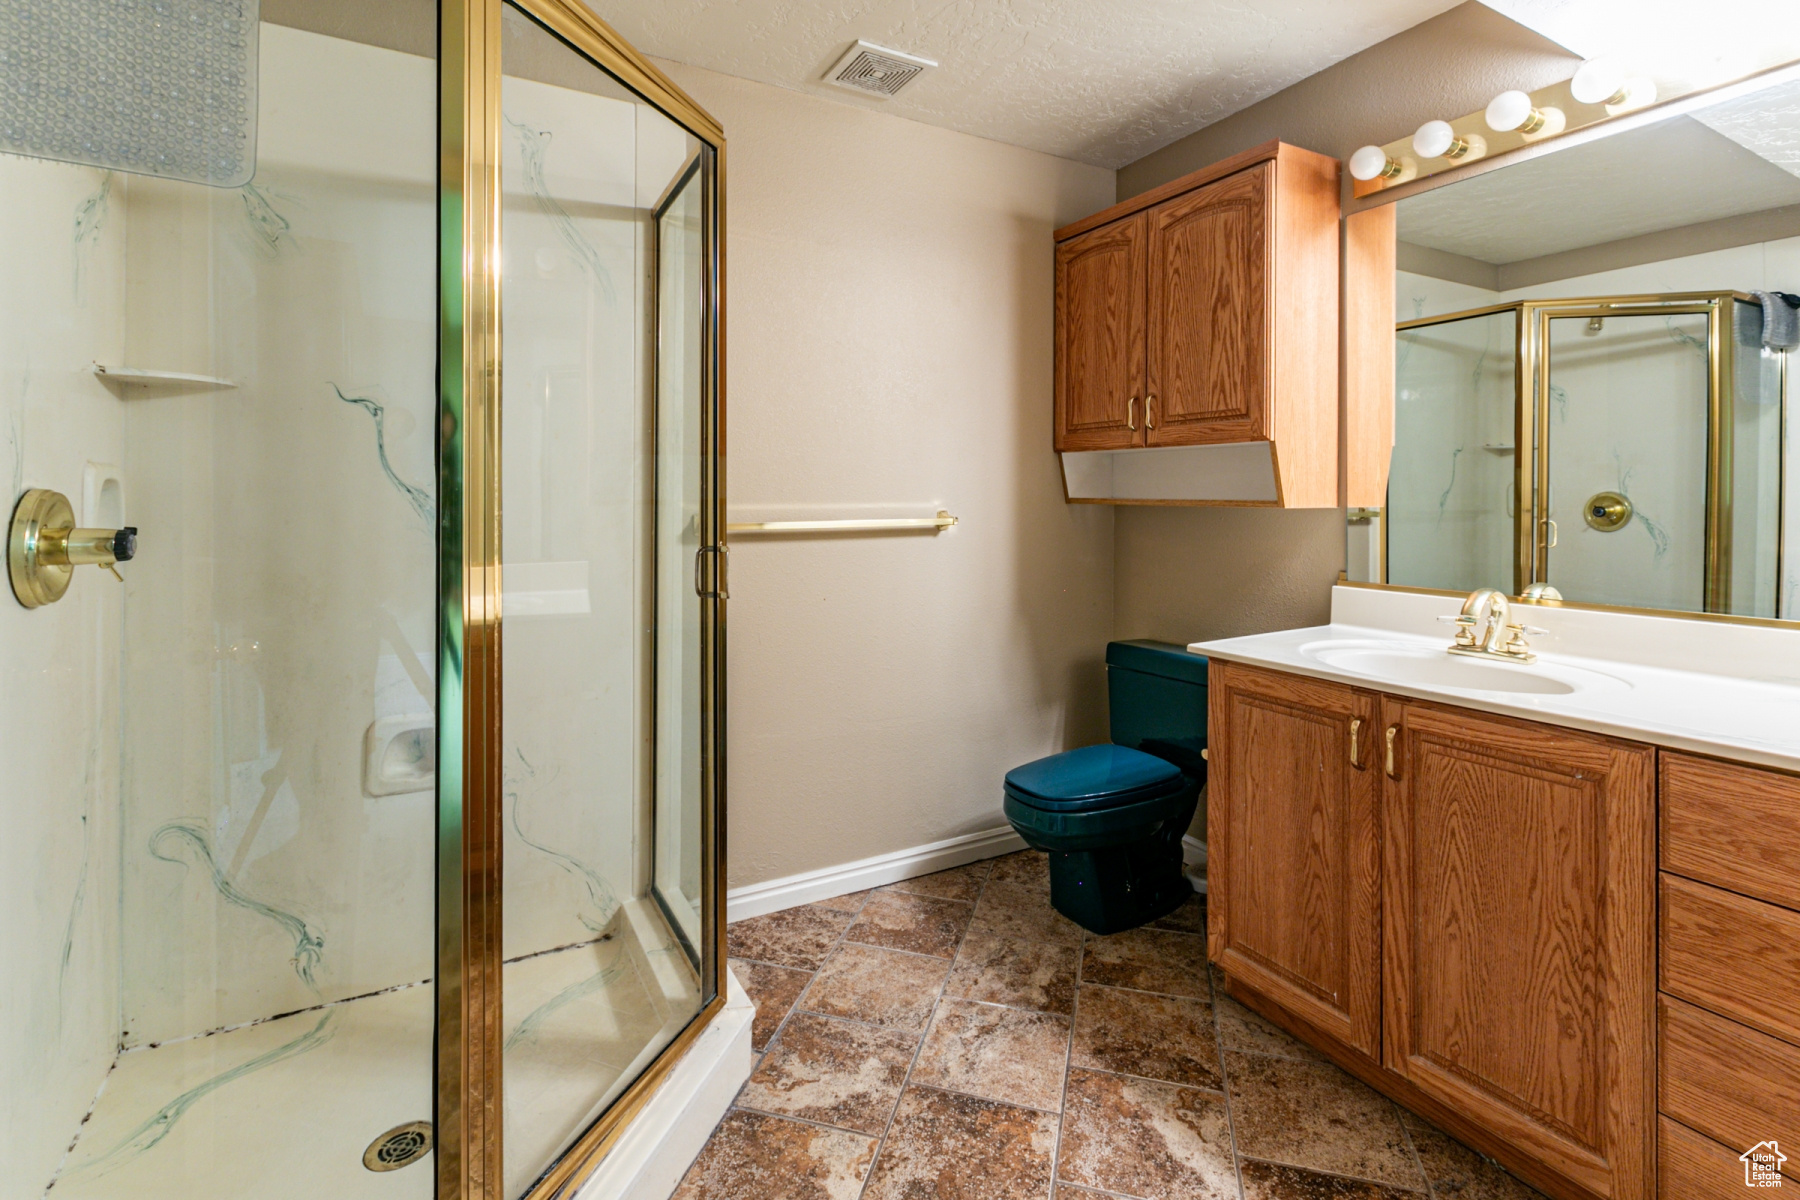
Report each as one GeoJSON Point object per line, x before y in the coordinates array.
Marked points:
{"type": "Point", "coordinates": [1518, 935]}
{"type": "Point", "coordinates": [1100, 337]}
{"type": "Point", "coordinates": [1210, 269]}
{"type": "Point", "coordinates": [1294, 862]}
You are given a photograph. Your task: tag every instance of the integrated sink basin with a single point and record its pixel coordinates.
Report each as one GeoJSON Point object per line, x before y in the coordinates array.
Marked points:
{"type": "Point", "coordinates": [1389, 663]}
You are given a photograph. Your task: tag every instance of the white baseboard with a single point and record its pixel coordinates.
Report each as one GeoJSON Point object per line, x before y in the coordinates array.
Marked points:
{"type": "Point", "coordinates": [794, 890]}
{"type": "Point", "coordinates": [654, 1152]}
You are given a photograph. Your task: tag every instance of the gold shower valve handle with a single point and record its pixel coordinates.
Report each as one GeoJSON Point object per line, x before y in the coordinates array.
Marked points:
{"type": "Point", "coordinates": [43, 547]}
{"type": "Point", "coordinates": [88, 547]}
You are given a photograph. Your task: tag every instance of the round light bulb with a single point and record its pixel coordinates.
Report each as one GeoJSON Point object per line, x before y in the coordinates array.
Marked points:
{"type": "Point", "coordinates": [1598, 81]}
{"type": "Point", "coordinates": [1513, 112]}
{"type": "Point", "coordinates": [1637, 92]}
{"type": "Point", "coordinates": [1507, 111]}
{"type": "Point", "coordinates": [1433, 139]}
{"type": "Point", "coordinates": [1370, 162]}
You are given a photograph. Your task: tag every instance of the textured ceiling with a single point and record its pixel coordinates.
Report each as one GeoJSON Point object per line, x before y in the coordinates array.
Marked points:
{"type": "Point", "coordinates": [1680, 44]}
{"type": "Point", "coordinates": [1665, 176]}
{"type": "Point", "coordinates": [1100, 81]}
{"type": "Point", "coordinates": [1766, 122]}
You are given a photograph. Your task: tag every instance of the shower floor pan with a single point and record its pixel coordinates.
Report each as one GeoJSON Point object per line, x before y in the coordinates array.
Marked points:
{"type": "Point", "coordinates": [285, 1109]}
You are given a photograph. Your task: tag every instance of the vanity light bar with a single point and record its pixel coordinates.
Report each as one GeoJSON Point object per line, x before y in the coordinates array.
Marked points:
{"type": "Point", "coordinates": [1599, 91]}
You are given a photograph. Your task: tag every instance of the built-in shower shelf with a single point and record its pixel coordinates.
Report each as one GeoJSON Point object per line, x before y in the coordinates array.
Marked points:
{"type": "Point", "coordinates": [1496, 448]}
{"type": "Point", "coordinates": [138, 377]}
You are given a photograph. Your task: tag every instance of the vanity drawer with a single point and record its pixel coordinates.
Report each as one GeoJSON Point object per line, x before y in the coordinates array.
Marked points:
{"type": "Point", "coordinates": [1691, 1166]}
{"type": "Point", "coordinates": [1734, 826]}
{"type": "Point", "coordinates": [1735, 1085]}
{"type": "Point", "coordinates": [1734, 955]}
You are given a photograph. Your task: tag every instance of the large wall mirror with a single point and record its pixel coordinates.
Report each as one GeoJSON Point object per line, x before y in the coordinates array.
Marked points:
{"type": "Point", "coordinates": [1590, 390]}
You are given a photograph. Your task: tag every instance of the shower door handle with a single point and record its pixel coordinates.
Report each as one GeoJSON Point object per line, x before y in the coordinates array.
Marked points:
{"type": "Point", "coordinates": [723, 590]}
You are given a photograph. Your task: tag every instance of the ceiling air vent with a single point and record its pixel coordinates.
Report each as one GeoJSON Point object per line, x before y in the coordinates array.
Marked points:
{"type": "Point", "coordinates": [876, 70]}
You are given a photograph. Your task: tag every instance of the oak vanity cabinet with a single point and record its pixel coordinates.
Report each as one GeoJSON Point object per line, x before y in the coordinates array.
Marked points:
{"type": "Point", "coordinates": [1519, 949]}
{"type": "Point", "coordinates": [1459, 908]}
{"type": "Point", "coordinates": [1205, 312]}
{"type": "Point", "coordinates": [1293, 905]}
{"type": "Point", "coordinates": [1728, 1016]}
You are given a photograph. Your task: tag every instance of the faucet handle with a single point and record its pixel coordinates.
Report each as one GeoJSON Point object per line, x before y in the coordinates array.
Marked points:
{"type": "Point", "coordinates": [1516, 646]}
{"type": "Point", "coordinates": [1465, 627]}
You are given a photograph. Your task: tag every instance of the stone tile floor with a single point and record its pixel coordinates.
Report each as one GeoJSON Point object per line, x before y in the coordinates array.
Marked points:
{"type": "Point", "coordinates": [953, 1037]}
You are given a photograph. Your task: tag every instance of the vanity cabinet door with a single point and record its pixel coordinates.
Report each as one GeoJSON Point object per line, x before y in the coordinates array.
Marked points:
{"type": "Point", "coordinates": [1519, 950]}
{"type": "Point", "coordinates": [1209, 366]}
{"type": "Point", "coordinates": [1100, 337]}
{"type": "Point", "coordinates": [1293, 846]}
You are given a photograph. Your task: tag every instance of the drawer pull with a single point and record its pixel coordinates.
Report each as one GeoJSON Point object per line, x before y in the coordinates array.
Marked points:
{"type": "Point", "coordinates": [1356, 724]}
{"type": "Point", "coordinates": [1393, 772]}
{"type": "Point", "coordinates": [1131, 414]}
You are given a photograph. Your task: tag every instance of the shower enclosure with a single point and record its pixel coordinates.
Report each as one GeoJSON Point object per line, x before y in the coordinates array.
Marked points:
{"type": "Point", "coordinates": [1626, 449]}
{"type": "Point", "coordinates": [365, 832]}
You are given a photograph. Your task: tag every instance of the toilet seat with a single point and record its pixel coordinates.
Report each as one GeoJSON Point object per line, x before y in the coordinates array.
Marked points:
{"type": "Point", "coordinates": [1093, 779]}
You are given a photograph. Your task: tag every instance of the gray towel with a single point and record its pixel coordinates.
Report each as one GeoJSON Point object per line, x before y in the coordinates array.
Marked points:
{"type": "Point", "coordinates": [1780, 319]}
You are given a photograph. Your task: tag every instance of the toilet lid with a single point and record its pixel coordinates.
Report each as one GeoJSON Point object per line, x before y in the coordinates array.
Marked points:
{"type": "Point", "coordinates": [1093, 777]}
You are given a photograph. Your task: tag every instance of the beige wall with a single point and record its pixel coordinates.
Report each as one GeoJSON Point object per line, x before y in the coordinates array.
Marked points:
{"type": "Point", "coordinates": [1445, 67]}
{"type": "Point", "coordinates": [1187, 573]}
{"type": "Point", "coordinates": [889, 345]}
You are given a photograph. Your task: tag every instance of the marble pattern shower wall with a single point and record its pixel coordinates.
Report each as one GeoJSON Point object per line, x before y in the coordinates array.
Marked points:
{"type": "Point", "coordinates": [61, 229]}
{"type": "Point", "coordinates": [283, 605]}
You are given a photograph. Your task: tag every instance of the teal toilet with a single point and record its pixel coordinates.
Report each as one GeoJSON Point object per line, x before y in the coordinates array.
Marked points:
{"type": "Point", "coordinates": [1112, 816]}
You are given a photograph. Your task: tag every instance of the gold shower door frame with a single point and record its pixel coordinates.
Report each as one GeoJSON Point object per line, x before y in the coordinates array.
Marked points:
{"type": "Point", "coordinates": [1533, 527]}
{"type": "Point", "coordinates": [469, 1036]}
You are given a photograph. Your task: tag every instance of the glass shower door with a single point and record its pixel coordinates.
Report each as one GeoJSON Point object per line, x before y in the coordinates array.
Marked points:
{"type": "Point", "coordinates": [604, 308]}
{"type": "Point", "coordinates": [680, 491]}
{"type": "Point", "coordinates": [1626, 431]}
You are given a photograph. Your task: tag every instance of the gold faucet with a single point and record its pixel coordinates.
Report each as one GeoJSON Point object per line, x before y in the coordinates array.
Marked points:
{"type": "Point", "coordinates": [1485, 629]}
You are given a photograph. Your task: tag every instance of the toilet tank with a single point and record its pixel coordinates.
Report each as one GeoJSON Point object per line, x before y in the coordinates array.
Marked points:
{"type": "Point", "coordinates": [1156, 693]}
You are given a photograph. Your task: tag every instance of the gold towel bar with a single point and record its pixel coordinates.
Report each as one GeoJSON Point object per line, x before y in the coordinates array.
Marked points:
{"type": "Point", "coordinates": [938, 523]}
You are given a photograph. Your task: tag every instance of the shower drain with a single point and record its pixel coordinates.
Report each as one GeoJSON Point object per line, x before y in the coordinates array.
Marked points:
{"type": "Point", "coordinates": [399, 1146]}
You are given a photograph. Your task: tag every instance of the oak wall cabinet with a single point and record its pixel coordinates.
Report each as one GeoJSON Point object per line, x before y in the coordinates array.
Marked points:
{"type": "Point", "coordinates": [1459, 908]}
{"type": "Point", "coordinates": [1203, 315]}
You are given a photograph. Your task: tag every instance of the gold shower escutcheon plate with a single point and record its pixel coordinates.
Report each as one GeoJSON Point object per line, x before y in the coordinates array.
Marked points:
{"type": "Point", "coordinates": [1607, 511]}
{"type": "Point", "coordinates": [43, 547]}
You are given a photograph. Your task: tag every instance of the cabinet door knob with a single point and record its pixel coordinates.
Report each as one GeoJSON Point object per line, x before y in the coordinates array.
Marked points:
{"type": "Point", "coordinates": [1131, 414]}
{"type": "Point", "coordinates": [1356, 724]}
{"type": "Point", "coordinates": [1393, 771]}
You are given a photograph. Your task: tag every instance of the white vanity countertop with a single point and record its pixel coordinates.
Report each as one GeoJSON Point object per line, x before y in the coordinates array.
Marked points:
{"type": "Point", "coordinates": [1713, 687]}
